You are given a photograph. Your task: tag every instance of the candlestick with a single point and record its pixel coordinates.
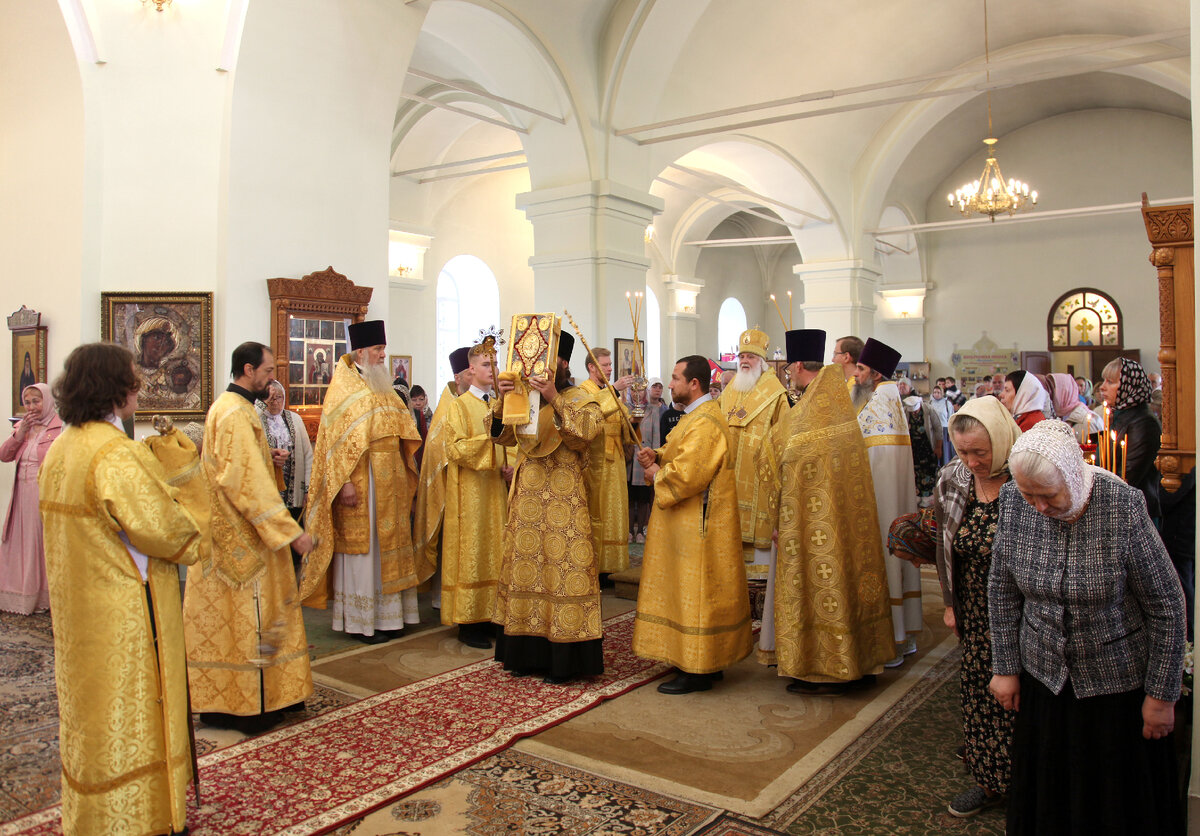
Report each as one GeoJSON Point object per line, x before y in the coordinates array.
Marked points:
{"type": "Point", "coordinates": [781, 322]}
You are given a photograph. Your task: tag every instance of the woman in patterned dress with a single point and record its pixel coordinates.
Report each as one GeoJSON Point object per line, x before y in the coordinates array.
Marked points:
{"type": "Point", "coordinates": [966, 502]}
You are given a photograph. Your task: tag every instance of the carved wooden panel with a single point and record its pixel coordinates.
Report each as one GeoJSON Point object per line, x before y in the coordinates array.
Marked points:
{"type": "Point", "coordinates": [1170, 232]}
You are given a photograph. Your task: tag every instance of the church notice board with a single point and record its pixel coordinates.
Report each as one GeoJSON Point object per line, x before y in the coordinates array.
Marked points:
{"type": "Point", "coordinates": [981, 361]}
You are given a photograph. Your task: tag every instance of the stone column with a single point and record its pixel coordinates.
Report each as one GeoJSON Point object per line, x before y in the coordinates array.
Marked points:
{"type": "Point", "coordinates": [589, 245]}
{"type": "Point", "coordinates": [680, 311]}
{"type": "Point", "coordinates": [839, 296]}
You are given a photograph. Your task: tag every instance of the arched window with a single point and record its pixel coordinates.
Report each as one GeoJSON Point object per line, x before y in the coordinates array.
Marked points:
{"type": "Point", "coordinates": [653, 339]}
{"type": "Point", "coordinates": [731, 322]}
{"type": "Point", "coordinates": [1084, 319]}
{"type": "Point", "coordinates": [468, 299]}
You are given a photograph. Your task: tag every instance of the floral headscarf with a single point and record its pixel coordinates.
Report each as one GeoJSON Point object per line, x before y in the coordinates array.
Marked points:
{"type": "Point", "coordinates": [1135, 388]}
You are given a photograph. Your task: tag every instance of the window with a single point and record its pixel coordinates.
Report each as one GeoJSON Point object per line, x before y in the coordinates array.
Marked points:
{"type": "Point", "coordinates": [731, 322]}
{"type": "Point", "coordinates": [468, 299]}
{"type": "Point", "coordinates": [1085, 319]}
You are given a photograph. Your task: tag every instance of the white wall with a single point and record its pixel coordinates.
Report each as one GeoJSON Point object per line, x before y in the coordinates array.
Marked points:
{"type": "Point", "coordinates": [1003, 279]}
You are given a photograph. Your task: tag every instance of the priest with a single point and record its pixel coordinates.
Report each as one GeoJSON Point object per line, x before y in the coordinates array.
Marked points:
{"type": "Point", "coordinates": [693, 609]}
{"type": "Point", "coordinates": [548, 596]}
{"type": "Point", "coordinates": [360, 498]}
{"type": "Point", "coordinates": [247, 650]}
{"type": "Point", "coordinates": [608, 492]}
{"type": "Point", "coordinates": [884, 426]}
{"type": "Point", "coordinates": [753, 403]}
{"type": "Point", "coordinates": [827, 623]}
{"type": "Point", "coordinates": [476, 506]}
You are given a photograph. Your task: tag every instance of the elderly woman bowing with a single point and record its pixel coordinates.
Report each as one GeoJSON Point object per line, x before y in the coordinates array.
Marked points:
{"type": "Point", "coordinates": [291, 451]}
{"type": "Point", "coordinates": [1087, 645]}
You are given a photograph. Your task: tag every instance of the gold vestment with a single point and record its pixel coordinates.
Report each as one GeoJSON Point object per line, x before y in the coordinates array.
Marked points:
{"type": "Point", "coordinates": [549, 586]}
{"type": "Point", "coordinates": [122, 706]}
{"type": "Point", "coordinates": [246, 591]}
{"type": "Point", "coordinates": [363, 434]}
{"type": "Point", "coordinates": [831, 616]}
{"type": "Point", "coordinates": [476, 502]}
{"type": "Point", "coordinates": [431, 491]}
{"type": "Point", "coordinates": [608, 484]}
{"type": "Point", "coordinates": [750, 416]}
{"type": "Point", "coordinates": [693, 607]}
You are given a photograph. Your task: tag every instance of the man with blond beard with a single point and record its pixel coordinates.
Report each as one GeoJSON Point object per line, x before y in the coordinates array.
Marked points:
{"type": "Point", "coordinates": [360, 497]}
{"type": "Point", "coordinates": [753, 403]}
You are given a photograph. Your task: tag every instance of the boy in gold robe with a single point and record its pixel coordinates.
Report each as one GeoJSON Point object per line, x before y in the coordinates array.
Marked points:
{"type": "Point", "coordinates": [548, 596]}
{"type": "Point", "coordinates": [247, 650]}
{"type": "Point", "coordinates": [753, 403]}
{"type": "Point", "coordinates": [476, 505]}
{"type": "Point", "coordinates": [693, 609]}
{"type": "Point", "coordinates": [826, 622]}
{"type": "Point", "coordinates": [360, 498]}
{"type": "Point", "coordinates": [113, 536]}
{"type": "Point", "coordinates": [608, 491]}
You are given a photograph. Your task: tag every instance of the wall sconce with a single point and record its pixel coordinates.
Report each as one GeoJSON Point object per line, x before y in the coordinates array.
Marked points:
{"type": "Point", "coordinates": [158, 4]}
{"type": "Point", "coordinates": [904, 304]}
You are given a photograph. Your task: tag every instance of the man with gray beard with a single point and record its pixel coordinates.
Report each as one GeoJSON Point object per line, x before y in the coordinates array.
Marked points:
{"type": "Point", "coordinates": [753, 403]}
{"type": "Point", "coordinates": [360, 498]}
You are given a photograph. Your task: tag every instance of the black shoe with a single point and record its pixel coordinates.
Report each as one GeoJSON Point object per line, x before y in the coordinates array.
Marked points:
{"type": "Point", "coordinates": [293, 708]}
{"type": "Point", "coordinates": [718, 676]}
{"type": "Point", "coordinates": [377, 638]}
{"type": "Point", "coordinates": [472, 636]}
{"type": "Point", "coordinates": [249, 725]}
{"type": "Point", "coordinates": [606, 581]}
{"type": "Point", "coordinates": [818, 689]}
{"type": "Point", "coordinates": [391, 634]}
{"type": "Point", "coordinates": [557, 680]}
{"type": "Point", "coordinates": [183, 832]}
{"type": "Point", "coordinates": [686, 683]}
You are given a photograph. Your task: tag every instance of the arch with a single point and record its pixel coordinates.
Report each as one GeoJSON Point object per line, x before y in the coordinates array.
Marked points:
{"type": "Point", "coordinates": [1079, 312]}
{"type": "Point", "coordinates": [731, 322]}
{"type": "Point", "coordinates": [468, 299]}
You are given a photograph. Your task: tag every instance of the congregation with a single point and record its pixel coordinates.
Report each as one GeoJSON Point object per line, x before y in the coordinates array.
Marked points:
{"type": "Point", "coordinates": [809, 503]}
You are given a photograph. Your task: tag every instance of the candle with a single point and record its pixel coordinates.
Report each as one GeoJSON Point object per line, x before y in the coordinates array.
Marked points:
{"type": "Point", "coordinates": [778, 311]}
{"type": "Point", "coordinates": [790, 320]}
{"type": "Point", "coordinates": [1123, 440]}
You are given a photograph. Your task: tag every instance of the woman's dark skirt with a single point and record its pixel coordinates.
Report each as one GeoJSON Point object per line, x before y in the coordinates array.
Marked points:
{"type": "Point", "coordinates": [1081, 766]}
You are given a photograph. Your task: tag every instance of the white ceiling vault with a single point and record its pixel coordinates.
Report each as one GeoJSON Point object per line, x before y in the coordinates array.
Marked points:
{"type": "Point", "coordinates": [866, 105]}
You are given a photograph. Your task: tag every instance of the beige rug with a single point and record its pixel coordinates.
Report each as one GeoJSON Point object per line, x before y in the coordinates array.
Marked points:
{"type": "Point", "coordinates": [746, 745]}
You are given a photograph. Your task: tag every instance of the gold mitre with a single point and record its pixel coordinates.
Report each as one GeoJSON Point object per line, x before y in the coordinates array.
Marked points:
{"type": "Point", "coordinates": [753, 341]}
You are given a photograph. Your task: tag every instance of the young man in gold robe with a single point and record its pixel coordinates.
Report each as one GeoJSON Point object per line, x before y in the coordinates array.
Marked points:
{"type": "Point", "coordinates": [608, 491]}
{"type": "Point", "coordinates": [827, 622]}
{"type": "Point", "coordinates": [113, 536]}
{"type": "Point", "coordinates": [360, 498]}
{"type": "Point", "coordinates": [548, 596]}
{"type": "Point", "coordinates": [247, 650]}
{"type": "Point", "coordinates": [693, 609]}
{"type": "Point", "coordinates": [884, 426]}
{"type": "Point", "coordinates": [430, 503]}
{"type": "Point", "coordinates": [753, 403]}
{"type": "Point", "coordinates": [476, 506]}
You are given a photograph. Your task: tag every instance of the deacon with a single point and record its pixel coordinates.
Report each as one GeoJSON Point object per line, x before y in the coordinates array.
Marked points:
{"type": "Point", "coordinates": [247, 651]}
{"type": "Point", "coordinates": [476, 505]}
{"type": "Point", "coordinates": [753, 403]}
{"type": "Point", "coordinates": [548, 597]}
{"type": "Point", "coordinates": [884, 426]}
{"type": "Point", "coordinates": [431, 492]}
{"type": "Point", "coordinates": [827, 623]}
{"type": "Point", "coordinates": [693, 608]}
{"type": "Point", "coordinates": [608, 493]}
{"type": "Point", "coordinates": [361, 495]}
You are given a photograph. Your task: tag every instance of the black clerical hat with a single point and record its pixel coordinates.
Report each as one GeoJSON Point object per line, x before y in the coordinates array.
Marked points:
{"type": "Point", "coordinates": [805, 345]}
{"type": "Point", "coordinates": [566, 344]}
{"type": "Point", "coordinates": [879, 356]}
{"type": "Point", "coordinates": [367, 334]}
{"type": "Point", "coordinates": [460, 358]}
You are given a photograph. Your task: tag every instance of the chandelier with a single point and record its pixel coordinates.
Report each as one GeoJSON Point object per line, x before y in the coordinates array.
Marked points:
{"type": "Point", "coordinates": [991, 194]}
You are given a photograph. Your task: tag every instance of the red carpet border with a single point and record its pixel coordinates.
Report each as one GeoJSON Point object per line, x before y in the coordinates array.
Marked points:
{"type": "Point", "coordinates": [313, 776]}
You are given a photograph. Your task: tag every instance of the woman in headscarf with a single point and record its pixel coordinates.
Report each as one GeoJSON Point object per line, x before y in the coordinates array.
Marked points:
{"type": "Point", "coordinates": [641, 495]}
{"type": "Point", "coordinates": [1025, 398]}
{"type": "Point", "coordinates": [1127, 390]}
{"type": "Point", "coordinates": [966, 505]}
{"type": "Point", "coordinates": [942, 409]}
{"type": "Point", "coordinates": [1068, 407]}
{"type": "Point", "coordinates": [925, 431]}
{"type": "Point", "coordinates": [291, 451]}
{"type": "Point", "coordinates": [23, 587]}
{"type": "Point", "coordinates": [1088, 630]}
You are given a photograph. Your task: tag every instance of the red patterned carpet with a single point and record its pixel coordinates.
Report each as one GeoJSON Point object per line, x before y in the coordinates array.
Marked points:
{"type": "Point", "coordinates": [315, 775]}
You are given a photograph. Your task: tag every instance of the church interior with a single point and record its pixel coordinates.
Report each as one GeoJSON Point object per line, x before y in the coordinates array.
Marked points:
{"type": "Point", "coordinates": [739, 163]}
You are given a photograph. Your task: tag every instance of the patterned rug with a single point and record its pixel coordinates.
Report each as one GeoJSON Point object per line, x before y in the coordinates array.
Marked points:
{"type": "Point", "coordinates": [349, 761]}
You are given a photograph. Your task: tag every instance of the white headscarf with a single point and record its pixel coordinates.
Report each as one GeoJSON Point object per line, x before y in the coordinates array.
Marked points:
{"type": "Point", "coordinates": [1055, 442]}
{"type": "Point", "coordinates": [1031, 396]}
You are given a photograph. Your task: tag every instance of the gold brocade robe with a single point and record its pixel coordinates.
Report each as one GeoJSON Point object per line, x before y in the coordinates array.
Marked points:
{"type": "Point", "coordinates": [123, 718]}
{"type": "Point", "coordinates": [431, 490]}
{"type": "Point", "coordinates": [246, 591]}
{"type": "Point", "coordinates": [363, 435]}
{"type": "Point", "coordinates": [831, 615]}
{"type": "Point", "coordinates": [608, 484]}
{"type": "Point", "coordinates": [693, 608]}
{"type": "Point", "coordinates": [751, 415]}
{"type": "Point", "coordinates": [549, 585]}
{"type": "Point", "coordinates": [476, 503]}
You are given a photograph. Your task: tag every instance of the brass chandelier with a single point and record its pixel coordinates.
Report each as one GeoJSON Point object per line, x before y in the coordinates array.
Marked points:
{"type": "Point", "coordinates": [990, 194]}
